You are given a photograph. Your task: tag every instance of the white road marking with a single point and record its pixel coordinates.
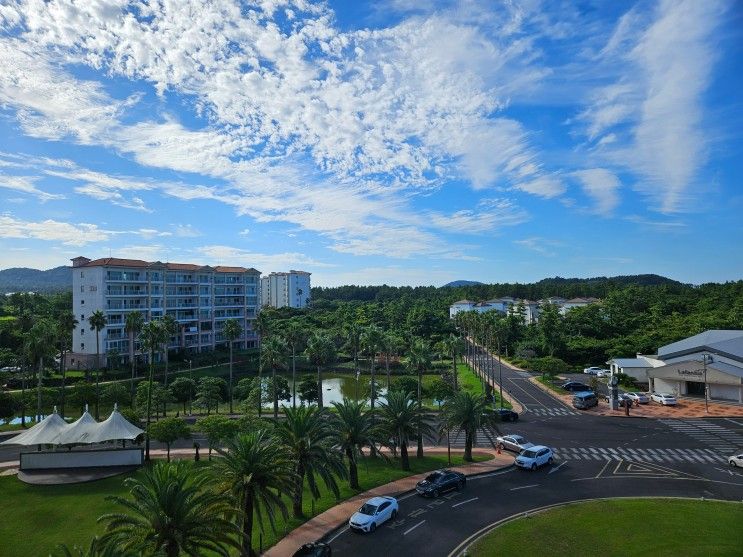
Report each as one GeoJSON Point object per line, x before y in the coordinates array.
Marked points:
{"type": "Point", "coordinates": [556, 468]}
{"type": "Point", "coordinates": [463, 502]}
{"type": "Point", "coordinates": [331, 540]}
{"type": "Point", "coordinates": [406, 532]}
{"type": "Point", "coordinates": [524, 487]}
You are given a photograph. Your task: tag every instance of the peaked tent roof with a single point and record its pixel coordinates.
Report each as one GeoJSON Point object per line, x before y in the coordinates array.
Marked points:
{"type": "Point", "coordinates": [43, 433]}
{"type": "Point", "coordinates": [115, 427]}
{"type": "Point", "coordinates": [77, 432]}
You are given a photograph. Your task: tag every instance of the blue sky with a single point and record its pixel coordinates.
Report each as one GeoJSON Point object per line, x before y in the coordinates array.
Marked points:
{"type": "Point", "coordinates": [398, 142]}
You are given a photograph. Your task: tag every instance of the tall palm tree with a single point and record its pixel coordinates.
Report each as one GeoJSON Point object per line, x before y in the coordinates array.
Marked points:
{"type": "Point", "coordinates": [294, 335]}
{"type": "Point", "coordinates": [255, 468]}
{"type": "Point", "coordinates": [172, 510]}
{"type": "Point", "coordinates": [170, 326]}
{"type": "Point", "coordinates": [372, 340]}
{"type": "Point", "coordinates": [352, 331]}
{"type": "Point", "coordinates": [66, 324]}
{"type": "Point", "coordinates": [454, 346]}
{"type": "Point", "coordinates": [152, 337]}
{"type": "Point", "coordinates": [231, 331]}
{"type": "Point", "coordinates": [133, 325]}
{"type": "Point", "coordinates": [39, 344]}
{"type": "Point", "coordinates": [320, 352]}
{"type": "Point", "coordinates": [309, 435]}
{"type": "Point", "coordinates": [401, 419]}
{"type": "Point", "coordinates": [470, 412]}
{"type": "Point", "coordinates": [273, 356]}
{"type": "Point", "coordinates": [355, 430]}
{"type": "Point", "coordinates": [98, 323]}
{"type": "Point", "coordinates": [392, 344]}
{"type": "Point", "coordinates": [262, 327]}
{"type": "Point", "coordinates": [419, 359]}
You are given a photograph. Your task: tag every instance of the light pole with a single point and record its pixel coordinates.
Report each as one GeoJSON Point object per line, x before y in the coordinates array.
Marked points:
{"type": "Point", "coordinates": [706, 358]}
{"type": "Point", "coordinates": [190, 376]}
{"type": "Point", "coordinates": [500, 375]}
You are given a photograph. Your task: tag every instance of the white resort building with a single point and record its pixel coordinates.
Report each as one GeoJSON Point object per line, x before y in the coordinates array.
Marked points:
{"type": "Point", "coordinates": [292, 289]}
{"type": "Point", "coordinates": [529, 308]}
{"type": "Point", "coordinates": [200, 298]}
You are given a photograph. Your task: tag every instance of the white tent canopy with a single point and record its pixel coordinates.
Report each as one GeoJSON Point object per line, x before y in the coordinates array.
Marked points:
{"type": "Point", "coordinates": [114, 428]}
{"type": "Point", "coordinates": [43, 433]}
{"type": "Point", "coordinates": [79, 431]}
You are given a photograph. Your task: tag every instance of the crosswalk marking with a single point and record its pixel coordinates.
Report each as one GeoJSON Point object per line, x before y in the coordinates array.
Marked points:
{"type": "Point", "coordinates": [695, 456]}
{"type": "Point", "coordinates": [708, 433]}
{"type": "Point", "coordinates": [551, 411]}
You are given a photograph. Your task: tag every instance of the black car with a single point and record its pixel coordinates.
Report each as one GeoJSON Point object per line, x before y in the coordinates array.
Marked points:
{"type": "Point", "coordinates": [439, 482]}
{"type": "Point", "coordinates": [314, 549]}
{"type": "Point", "coordinates": [507, 415]}
{"type": "Point", "coordinates": [576, 387]}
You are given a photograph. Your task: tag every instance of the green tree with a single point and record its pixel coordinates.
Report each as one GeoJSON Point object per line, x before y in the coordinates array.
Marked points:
{"type": "Point", "coordinates": [441, 390]}
{"type": "Point", "coordinates": [232, 331]}
{"type": "Point", "coordinates": [550, 328]}
{"type": "Point", "coordinates": [320, 352]}
{"type": "Point", "coordinates": [95, 549]}
{"type": "Point", "coordinates": [419, 359]}
{"type": "Point", "coordinates": [8, 406]}
{"type": "Point", "coordinates": [218, 429]}
{"type": "Point", "coordinates": [66, 324]}
{"type": "Point", "coordinates": [183, 390]}
{"type": "Point", "coordinates": [160, 396]}
{"type": "Point", "coordinates": [114, 393]}
{"type": "Point", "coordinates": [295, 335]}
{"type": "Point", "coordinates": [454, 347]}
{"type": "Point", "coordinates": [168, 430]}
{"type": "Point", "coordinates": [170, 327]}
{"type": "Point", "coordinates": [247, 389]}
{"type": "Point", "coordinates": [372, 341]}
{"type": "Point", "coordinates": [308, 389]}
{"type": "Point", "coordinates": [262, 327]}
{"type": "Point", "coordinates": [307, 432]}
{"type": "Point", "coordinates": [38, 346]}
{"type": "Point", "coordinates": [355, 430]}
{"type": "Point", "coordinates": [97, 322]}
{"type": "Point", "coordinates": [152, 337]}
{"type": "Point", "coordinates": [401, 419]}
{"type": "Point", "coordinates": [209, 393]}
{"type": "Point", "coordinates": [172, 510]}
{"type": "Point", "coordinates": [256, 469]}
{"type": "Point", "coordinates": [469, 413]}
{"type": "Point", "coordinates": [272, 357]}
{"type": "Point", "coordinates": [392, 345]}
{"type": "Point", "coordinates": [133, 326]}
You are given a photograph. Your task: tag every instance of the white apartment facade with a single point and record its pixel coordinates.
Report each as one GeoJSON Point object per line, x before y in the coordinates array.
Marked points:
{"type": "Point", "coordinates": [200, 298]}
{"type": "Point", "coordinates": [529, 309]}
{"type": "Point", "coordinates": [290, 289]}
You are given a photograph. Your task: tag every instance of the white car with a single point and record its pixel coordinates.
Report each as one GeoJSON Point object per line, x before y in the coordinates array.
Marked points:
{"type": "Point", "coordinates": [534, 457]}
{"type": "Point", "coordinates": [515, 443]}
{"type": "Point", "coordinates": [736, 460]}
{"type": "Point", "coordinates": [593, 370]}
{"type": "Point", "coordinates": [664, 399]}
{"type": "Point", "coordinates": [603, 373]}
{"type": "Point", "coordinates": [638, 398]}
{"type": "Point", "coordinates": [374, 512]}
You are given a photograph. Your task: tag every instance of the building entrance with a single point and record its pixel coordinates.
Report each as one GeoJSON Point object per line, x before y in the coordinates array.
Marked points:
{"type": "Point", "coordinates": [694, 388]}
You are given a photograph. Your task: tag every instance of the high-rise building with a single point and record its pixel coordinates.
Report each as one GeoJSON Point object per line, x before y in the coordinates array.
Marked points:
{"type": "Point", "coordinates": [290, 289]}
{"type": "Point", "coordinates": [200, 298]}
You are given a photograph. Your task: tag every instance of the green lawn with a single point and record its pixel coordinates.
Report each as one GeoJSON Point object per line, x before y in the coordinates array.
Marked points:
{"type": "Point", "coordinates": [38, 518]}
{"type": "Point", "coordinates": [551, 386]}
{"type": "Point", "coordinates": [624, 527]}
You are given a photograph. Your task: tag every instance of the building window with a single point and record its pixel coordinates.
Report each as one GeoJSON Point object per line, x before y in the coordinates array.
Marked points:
{"type": "Point", "coordinates": [82, 289]}
{"type": "Point", "coordinates": [82, 331]}
{"type": "Point", "coordinates": [81, 274]}
{"type": "Point", "coordinates": [82, 346]}
{"type": "Point", "coordinates": [93, 288]}
{"type": "Point", "coordinates": [82, 302]}
{"type": "Point", "coordinates": [82, 317]}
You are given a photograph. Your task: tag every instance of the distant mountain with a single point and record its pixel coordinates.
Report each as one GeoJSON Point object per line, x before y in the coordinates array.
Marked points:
{"type": "Point", "coordinates": [456, 283]}
{"type": "Point", "coordinates": [21, 279]}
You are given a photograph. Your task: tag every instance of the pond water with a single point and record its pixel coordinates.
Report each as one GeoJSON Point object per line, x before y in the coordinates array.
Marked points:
{"type": "Point", "coordinates": [336, 388]}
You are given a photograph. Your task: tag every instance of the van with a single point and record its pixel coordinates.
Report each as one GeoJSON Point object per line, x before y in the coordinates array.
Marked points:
{"type": "Point", "coordinates": [584, 401]}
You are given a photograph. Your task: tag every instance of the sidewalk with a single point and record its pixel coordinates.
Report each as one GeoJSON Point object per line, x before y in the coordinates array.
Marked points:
{"type": "Point", "coordinates": [337, 516]}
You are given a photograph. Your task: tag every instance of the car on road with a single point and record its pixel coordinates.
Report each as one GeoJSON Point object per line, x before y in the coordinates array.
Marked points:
{"type": "Point", "coordinates": [576, 386]}
{"type": "Point", "coordinates": [593, 370]}
{"type": "Point", "coordinates": [507, 415]}
{"type": "Point", "coordinates": [512, 443]}
{"type": "Point", "coordinates": [374, 512]}
{"type": "Point", "coordinates": [736, 460]}
{"type": "Point", "coordinates": [314, 549]}
{"type": "Point", "coordinates": [638, 398]}
{"type": "Point", "coordinates": [439, 482]}
{"type": "Point", "coordinates": [534, 457]}
{"type": "Point", "coordinates": [664, 399]}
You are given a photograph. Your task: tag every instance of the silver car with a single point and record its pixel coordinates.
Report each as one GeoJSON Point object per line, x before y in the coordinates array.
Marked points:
{"type": "Point", "coordinates": [664, 399]}
{"type": "Point", "coordinates": [638, 398]}
{"type": "Point", "coordinates": [516, 443]}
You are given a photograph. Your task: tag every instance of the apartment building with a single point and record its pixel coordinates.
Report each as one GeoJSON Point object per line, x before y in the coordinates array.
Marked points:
{"type": "Point", "coordinates": [290, 289]}
{"type": "Point", "coordinates": [200, 298]}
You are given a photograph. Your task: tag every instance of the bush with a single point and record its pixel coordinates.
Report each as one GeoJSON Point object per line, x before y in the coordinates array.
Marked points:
{"type": "Point", "coordinates": [549, 365]}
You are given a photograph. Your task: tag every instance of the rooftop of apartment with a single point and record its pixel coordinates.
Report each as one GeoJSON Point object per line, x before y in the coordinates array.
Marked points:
{"type": "Point", "coordinates": [138, 263]}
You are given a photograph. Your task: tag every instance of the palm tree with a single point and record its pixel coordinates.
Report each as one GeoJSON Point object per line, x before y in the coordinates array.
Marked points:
{"type": "Point", "coordinates": [470, 412]}
{"type": "Point", "coordinates": [231, 331]}
{"type": "Point", "coordinates": [272, 356]}
{"type": "Point", "coordinates": [98, 323]}
{"type": "Point", "coordinates": [172, 510]}
{"type": "Point", "coordinates": [152, 336]}
{"type": "Point", "coordinates": [355, 430]}
{"type": "Point", "coordinates": [352, 331]}
{"type": "Point", "coordinates": [66, 324]}
{"type": "Point", "coordinates": [454, 346]}
{"type": "Point", "coordinates": [371, 341]}
{"type": "Point", "coordinates": [320, 352]}
{"type": "Point", "coordinates": [133, 324]}
{"type": "Point", "coordinates": [40, 344]}
{"type": "Point", "coordinates": [262, 327]}
{"type": "Point", "coordinates": [309, 435]}
{"type": "Point", "coordinates": [255, 468]}
{"type": "Point", "coordinates": [95, 549]}
{"type": "Point", "coordinates": [419, 359]}
{"type": "Point", "coordinates": [401, 418]}
{"type": "Point", "coordinates": [391, 344]}
{"type": "Point", "coordinates": [170, 326]}
{"type": "Point", "coordinates": [294, 335]}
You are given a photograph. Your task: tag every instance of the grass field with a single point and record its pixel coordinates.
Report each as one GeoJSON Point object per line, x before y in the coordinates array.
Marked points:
{"type": "Point", "coordinates": [622, 528]}
{"type": "Point", "coordinates": [37, 518]}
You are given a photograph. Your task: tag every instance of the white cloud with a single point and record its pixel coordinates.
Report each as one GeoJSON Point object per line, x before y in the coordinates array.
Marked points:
{"type": "Point", "coordinates": [542, 246]}
{"type": "Point", "coordinates": [52, 231]}
{"type": "Point", "coordinates": [26, 184]}
{"type": "Point", "coordinates": [228, 255]}
{"type": "Point", "coordinates": [543, 186]}
{"type": "Point", "coordinates": [186, 231]}
{"type": "Point", "coordinates": [602, 186]}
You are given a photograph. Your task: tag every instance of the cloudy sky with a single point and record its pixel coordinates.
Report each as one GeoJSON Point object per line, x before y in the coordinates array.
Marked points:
{"type": "Point", "coordinates": [399, 141]}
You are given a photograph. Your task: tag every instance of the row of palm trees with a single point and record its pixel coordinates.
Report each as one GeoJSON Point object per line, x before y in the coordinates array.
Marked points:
{"type": "Point", "coordinates": [175, 509]}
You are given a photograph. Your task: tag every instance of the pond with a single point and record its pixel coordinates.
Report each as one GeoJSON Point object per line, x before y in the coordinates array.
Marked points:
{"type": "Point", "coordinates": [336, 388]}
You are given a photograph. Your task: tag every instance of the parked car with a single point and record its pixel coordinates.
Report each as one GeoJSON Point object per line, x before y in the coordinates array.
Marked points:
{"type": "Point", "coordinates": [603, 373]}
{"type": "Point", "coordinates": [623, 399]}
{"type": "Point", "coordinates": [664, 399]}
{"type": "Point", "coordinates": [585, 400]}
{"type": "Point", "coordinates": [638, 398]}
{"type": "Point", "coordinates": [736, 460]}
{"type": "Point", "coordinates": [440, 482]}
{"type": "Point", "coordinates": [576, 386]}
{"type": "Point", "coordinates": [507, 415]}
{"type": "Point", "coordinates": [534, 457]}
{"type": "Point", "coordinates": [593, 370]}
{"type": "Point", "coordinates": [314, 549]}
{"type": "Point", "coordinates": [512, 443]}
{"type": "Point", "coordinates": [374, 512]}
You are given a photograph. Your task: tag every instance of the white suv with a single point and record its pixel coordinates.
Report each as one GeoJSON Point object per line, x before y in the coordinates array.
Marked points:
{"type": "Point", "coordinates": [534, 457]}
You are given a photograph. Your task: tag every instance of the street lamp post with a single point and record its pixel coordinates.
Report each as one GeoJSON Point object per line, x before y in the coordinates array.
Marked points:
{"type": "Point", "coordinates": [705, 359]}
{"type": "Point", "coordinates": [190, 376]}
{"type": "Point", "coordinates": [500, 375]}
